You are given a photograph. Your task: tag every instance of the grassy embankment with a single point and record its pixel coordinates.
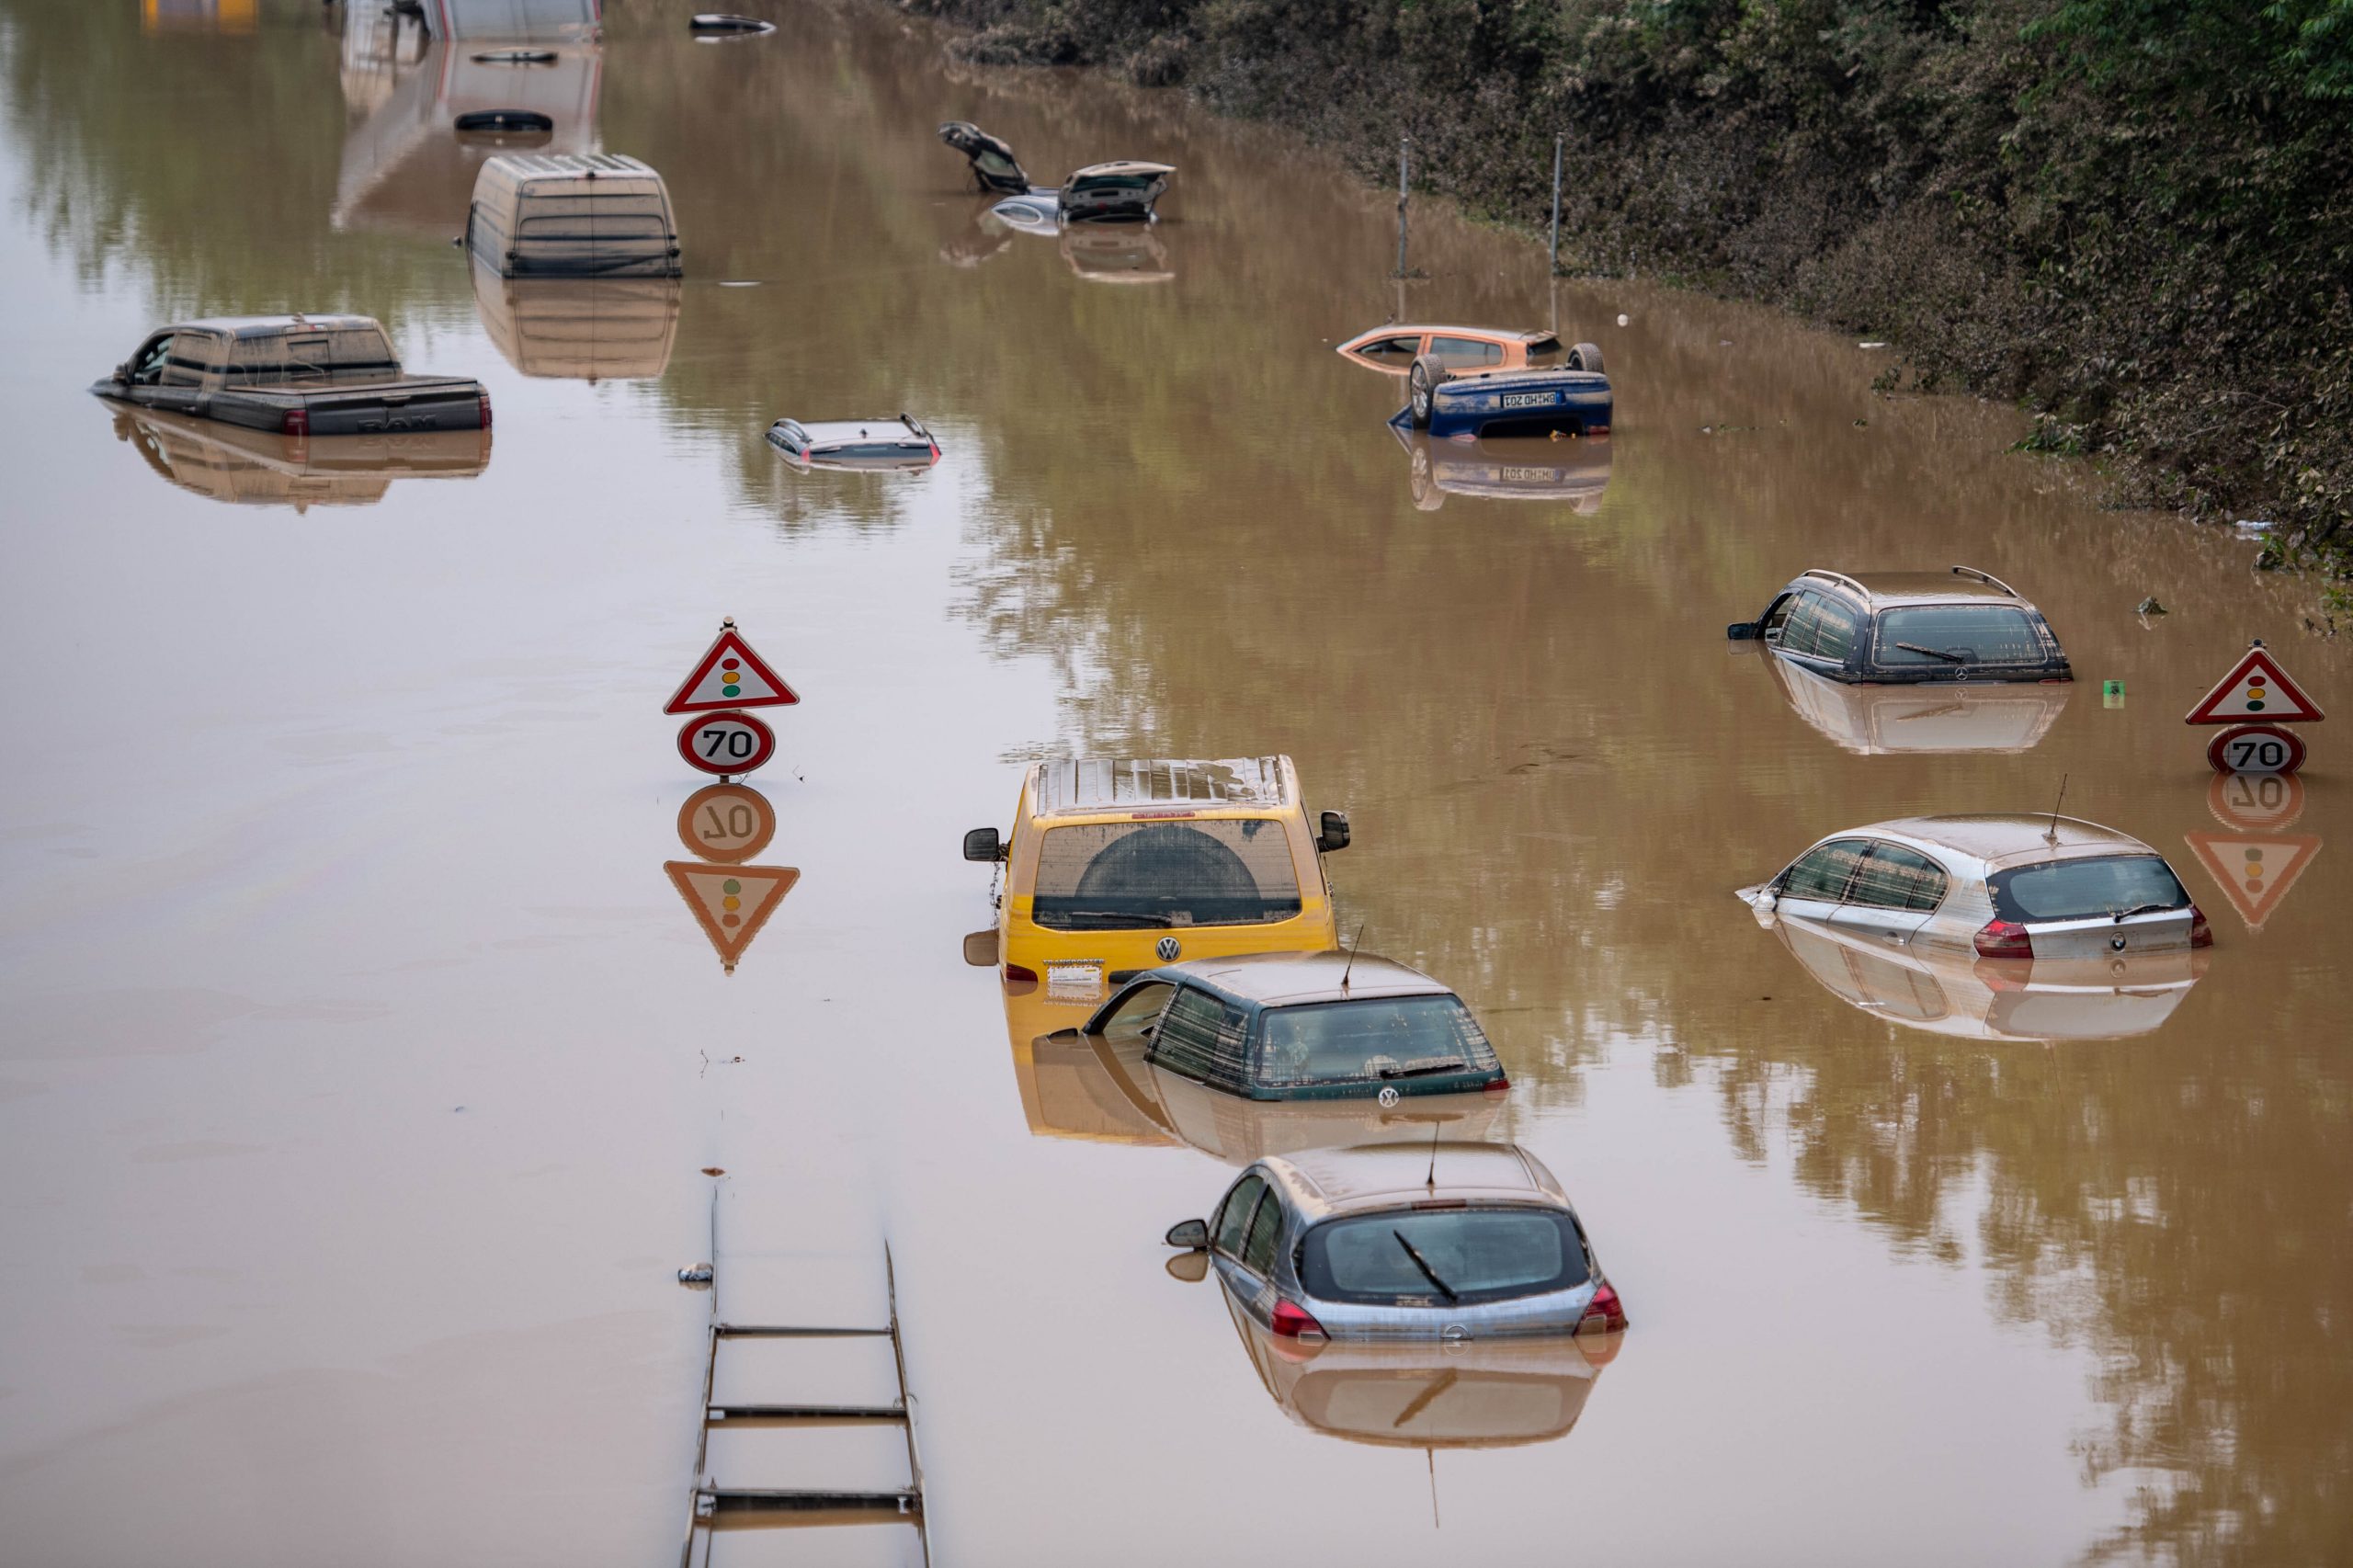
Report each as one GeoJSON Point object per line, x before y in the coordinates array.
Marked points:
{"type": "Point", "coordinates": [2135, 217]}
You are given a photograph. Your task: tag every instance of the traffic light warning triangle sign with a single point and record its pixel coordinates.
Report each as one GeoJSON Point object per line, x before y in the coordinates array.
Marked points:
{"type": "Point", "coordinates": [2254, 873]}
{"type": "Point", "coordinates": [2256, 690]}
{"type": "Point", "coordinates": [731, 902]}
{"type": "Point", "coordinates": [731, 675]}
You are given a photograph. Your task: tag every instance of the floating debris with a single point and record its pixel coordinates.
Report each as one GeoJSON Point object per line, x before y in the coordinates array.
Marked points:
{"type": "Point", "coordinates": [741, 282]}
{"type": "Point", "coordinates": [698, 1274]}
{"type": "Point", "coordinates": [1873, 344]}
{"type": "Point", "coordinates": [714, 1171]}
{"type": "Point", "coordinates": [2149, 607]}
{"type": "Point", "coordinates": [2253, 528]}
{"type": "Point", "coordinates": [1624, 320]}
{"type": "Point", "coordinates": [725, 22]}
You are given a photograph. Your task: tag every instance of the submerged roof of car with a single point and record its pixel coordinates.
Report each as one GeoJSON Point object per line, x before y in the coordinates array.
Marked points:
{"type": "Point", "coordinates": [838, 432]}
{"type": "Point", "coordinates": [530, 169]}
{"type": "Point", "coordinates": [272, 326]}
{"type": "Point", "coordinates": [2004, 840]}
{"type": "Point", "coordinates": [1069, 785]}
{"type": "Point", "coordinates": [1399, 329]}
{"type": "Point", "coordinates": [1381, 1176]}
{"type": "Point", "coordinates": [1278, 980]}
{"type": "Point", "coordinates": [1918, 588]}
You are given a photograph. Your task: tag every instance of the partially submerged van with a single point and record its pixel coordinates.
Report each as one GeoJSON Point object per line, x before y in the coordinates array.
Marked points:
{"type": "Point", "coordinates": [591, 214]}
{"type": "Point", "coordinates": [1116, 866]}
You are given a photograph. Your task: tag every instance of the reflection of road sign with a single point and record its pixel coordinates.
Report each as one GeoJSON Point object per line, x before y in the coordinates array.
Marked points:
{"type": "Point", "coordinates": [731, 902]}
{"type": "Point", "coordinates": [2254, 802]}
{"type": "Point", "coordinates": [2255, 748]}
{"type": "Point", "coordinates": [726, 743]}
{"type": "Point", "coordinates": [726, 823]}
{"type": "Point", "coordinates": [730, 675]}
{"type": "Point", "coordinates": [2254, 873]}
{"type": "Point", "coordinates": [2256, 690]}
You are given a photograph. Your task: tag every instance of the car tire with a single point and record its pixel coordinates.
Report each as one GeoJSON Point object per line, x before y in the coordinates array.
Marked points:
{"type": "Point", "coordinates": [1585, 357]}
{"type": "Point", "coordinates": [1421, 389]}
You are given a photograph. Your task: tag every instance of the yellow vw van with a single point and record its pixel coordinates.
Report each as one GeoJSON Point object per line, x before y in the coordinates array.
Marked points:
{"type": "Point", "coordinates": [1114, 867]}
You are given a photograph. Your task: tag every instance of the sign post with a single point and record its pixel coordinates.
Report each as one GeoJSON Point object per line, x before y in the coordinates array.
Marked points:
{"type": "Point", "coordinates": [2254, 700]}
{"type": "Point", "coordinates": [720, 737]}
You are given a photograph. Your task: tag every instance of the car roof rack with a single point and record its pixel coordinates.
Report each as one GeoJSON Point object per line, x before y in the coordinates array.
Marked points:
{"type": "Point", "coordinates": [1835, 578]}
{"type": "Point", "coordinates": [1985, 577]}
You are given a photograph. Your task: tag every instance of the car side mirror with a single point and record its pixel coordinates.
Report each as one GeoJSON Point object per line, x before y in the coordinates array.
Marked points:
{"type": "Point", "coordinates": [1743, 631]}
{"type": "Point", "coordinates": [981, 949]}
{"type": "Point", "coordinates": [1333, 834]}
{"type": "Point", "coordinates": [1193, 1236]}
{"type": "Point", "coordinates": [1191, 1268]}
{"type": "Point", "coordinates": [983, 843]}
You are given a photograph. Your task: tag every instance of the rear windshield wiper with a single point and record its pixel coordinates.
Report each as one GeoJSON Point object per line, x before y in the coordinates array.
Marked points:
{"type": "Point", "coordinates": [1424, 1265]}
{"type": "Point", "coordinates": [2124, 915]}
{"type": "Point", "coordinates": [1934, 652]}
{"type": "Point", "coordinates": [1427, 1065]}
{"type": "Point", "coordinates": [1125, 916]}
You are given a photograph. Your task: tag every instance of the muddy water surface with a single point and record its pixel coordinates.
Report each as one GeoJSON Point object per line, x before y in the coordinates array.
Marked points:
{"type": "Point", "coordinates": [360, 1062]}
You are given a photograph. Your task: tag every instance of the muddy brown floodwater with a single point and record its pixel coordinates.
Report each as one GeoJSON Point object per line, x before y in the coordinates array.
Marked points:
{"type": "Point", "coordinates": [360, 1062]}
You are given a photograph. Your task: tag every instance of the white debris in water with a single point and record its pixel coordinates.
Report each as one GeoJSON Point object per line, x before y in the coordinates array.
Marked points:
{"type": "Point", "coordinates": [1624, 319]}
{"type": "Point", "coordinates": [2253, 528]}
{"type": "Point", "coordinates": [1873, 344]}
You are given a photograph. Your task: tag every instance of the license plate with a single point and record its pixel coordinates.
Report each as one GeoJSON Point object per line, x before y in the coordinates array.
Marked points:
{"type": "Point", "coordinates": [1526, 475]}
{"type": "Point", "coordinates": [1529, 400]}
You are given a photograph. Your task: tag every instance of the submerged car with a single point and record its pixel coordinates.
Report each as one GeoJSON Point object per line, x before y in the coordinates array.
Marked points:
{"type": "Point", "coordinates": [1115, 866]}
{"type": "Point", "coordinates": [1394, 347]}
{"type": "Point", "coordinates": [1888, 628]}
{"type": "Point", "coordinates": [1438, 1242]}
{"type": "Point", "coordinates": [1303, 1026]}
{"type": "Point", "coordinates": [1915, 719]}
{"type": "Point", "coordinates": [1572, 398]}
{"type": "Point", "coordinates": [994, 168]}
{"type": "Point", "coordinates": [1098, 193]}
{"type": "Point", "coordinates": [573, 215]}
{"type": "Point", "coordinates": [292, 375]}
{"type": "Point", "coordinates": [858, 444]}
{"type": "Point", "coordinates": [2005, 887]}
{"type": "Point", "coordinates": [1574, 474]}
{"type": "Point", "coordinates": [1952, 991]}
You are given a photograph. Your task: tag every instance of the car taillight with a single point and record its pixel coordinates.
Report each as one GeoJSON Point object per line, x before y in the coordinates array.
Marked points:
{"type": "Point", "coordinates": [1497, 1087]}
{"type": "Point", "coordinates": [2200, 934]}
{"type": "Point", "coordinates": [485, 409]}
{"type": "Point", "coordinates": [1605, 1314]}
{"type": "Point", "coordinates": [1014, 971]}
{"type": "Point", "coordinates": [297, 422]}
{"type": "Point", "coordinates": [2004, 939]}
{"type": "Point", "coordinates": [1294, 1322]}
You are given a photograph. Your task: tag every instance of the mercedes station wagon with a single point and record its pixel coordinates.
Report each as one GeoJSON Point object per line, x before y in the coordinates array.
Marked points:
{"type": "Point", "coordinates": [1115, 866]}
{"type": "Point", "coordinates": [1444, 1241]}
{"type": "Point", "coordinates": [2007, 887]}
{"type": "Point", "coordinates": [1305, 1026]}
{"type": "Point", "coordinates": [1890, 628]}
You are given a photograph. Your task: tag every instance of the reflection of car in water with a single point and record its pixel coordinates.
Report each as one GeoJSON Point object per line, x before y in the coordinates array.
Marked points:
{"type": "Point", "coordinates": [1483, 1394]}
{"type": "Point", "coordinates": [1116, 253]}
{"type": "Point", "coordinates": [256, 468]}
{"type": "Point", "coordinates": [1116, 866]}
{"type": "Point", "coordinates": [2005, 887]}
{"type": "Point", "coordinates": [582, 328]}
{"type": "Point", "coordinates": [1902, 627]}
{"type": "Point", "coordinates": [1574, 472]}
{"type": "Point", "coordinates": [1435, 1242]}
{"type": "Point", "coordinates": [1989, 716]}
{"type": "Point", "coordinates": [1954, 994]}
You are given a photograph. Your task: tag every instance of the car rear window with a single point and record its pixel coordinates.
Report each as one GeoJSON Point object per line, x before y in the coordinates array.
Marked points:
{"type": "Point", "coordinates": [1544, 353]}
{"type": "Point", "coordinates": [1957, 634]}
{"type": "Point", "coordinates": [1479, 1255]}
{"type": "Point", "coordinates": [1113, 876]}
{"type": "Point", "coordinates": [2085, 889]}
{"type": "Point", "coordinates": [1379, 1039]}
{"type": "Point", "coordinates": [1466, 353]}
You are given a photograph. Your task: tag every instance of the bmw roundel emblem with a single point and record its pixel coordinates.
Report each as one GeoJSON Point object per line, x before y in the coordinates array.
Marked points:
{"type": "Point", "coordinates": [1167, 947]}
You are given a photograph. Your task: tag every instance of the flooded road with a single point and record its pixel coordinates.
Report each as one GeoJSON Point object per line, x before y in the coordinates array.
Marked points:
{"type": "Point", "coordinates": [362, 1064]}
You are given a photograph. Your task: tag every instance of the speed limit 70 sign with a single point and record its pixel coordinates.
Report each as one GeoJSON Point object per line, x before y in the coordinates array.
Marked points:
{"type": "Point", "coordinates": [2255, 748]}
{"type": "Point", "coordinates": [726, 743]}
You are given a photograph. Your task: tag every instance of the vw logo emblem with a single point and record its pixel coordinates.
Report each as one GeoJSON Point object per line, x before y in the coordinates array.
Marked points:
{"type": "Point", "coordinates": [1167, 947]}
{"type": "Point", "coordinates": [2116, 943]}
{"type": "Point", "coordinates": [1387, 1095]}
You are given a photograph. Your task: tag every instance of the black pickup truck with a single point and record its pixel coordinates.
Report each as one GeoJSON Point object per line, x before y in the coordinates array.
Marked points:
{"type": "Point", "coordinates": [298, 375]}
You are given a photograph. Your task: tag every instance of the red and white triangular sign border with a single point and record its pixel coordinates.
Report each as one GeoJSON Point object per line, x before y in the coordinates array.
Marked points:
{"type": "Point", "coordinates": [2277, 862]}
{"type": "Point", "coordinates": [777, 881]}
{"type": "Point", "coordinates": [730, 642]}
{"type": "Point", "coordinates": [2283, 702]}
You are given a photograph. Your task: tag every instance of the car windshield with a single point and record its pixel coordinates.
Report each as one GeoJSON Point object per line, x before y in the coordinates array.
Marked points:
{"type": "Point", "coordinates": [1106, 876]}
{"type": "Point", "coordinates": [1379, 1039]}
{"type": "Point", "coordinates": [1957, 634]}
{"type": "Point", "coordinates": [2086, 888]}
{"type": "Point", "coordinates": [1443, 1256]}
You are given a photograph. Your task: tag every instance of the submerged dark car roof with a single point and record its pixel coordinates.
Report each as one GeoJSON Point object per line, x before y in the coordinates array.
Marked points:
{"type": "Point", "coordinates": [1887, 589]}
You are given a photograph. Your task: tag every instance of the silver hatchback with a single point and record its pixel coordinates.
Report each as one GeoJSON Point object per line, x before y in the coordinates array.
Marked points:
{"type": "Point", "coordinates": [1431, 1241]}
{"type": "Point", "coordinates": [2008, 887]}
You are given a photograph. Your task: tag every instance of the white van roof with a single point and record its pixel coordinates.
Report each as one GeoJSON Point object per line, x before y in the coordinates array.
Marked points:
{"type": "Point", "coordinates": [526, 170]}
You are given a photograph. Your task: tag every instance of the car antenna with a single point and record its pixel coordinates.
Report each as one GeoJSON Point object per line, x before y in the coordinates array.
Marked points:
{"type": "Point", "coordinates": [1354, 943]}
{"type": "Point", "coordinates": [2051, 836]}
{"type": "Point", "coordinates": [1430, 1180]}
{"type": "Point", "coordinates": [1432, 1455]}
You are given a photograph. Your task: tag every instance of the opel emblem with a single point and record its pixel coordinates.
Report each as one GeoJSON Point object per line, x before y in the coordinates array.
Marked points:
{"type": "Point", "coordinates": [1454, 1333]}
{"type": "Point", "coordinates": [2116, 943]}
{"type": "Point", "coordinates": [1167, 947]}
{"type": "Point", "coordinates": [1387, 1095]}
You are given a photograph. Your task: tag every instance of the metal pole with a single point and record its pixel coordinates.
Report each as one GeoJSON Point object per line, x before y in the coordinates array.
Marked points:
{"type": "Point", "coordinates": [1404, 143]}
{"type": "Point", "coordinates": [1556, 203]}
